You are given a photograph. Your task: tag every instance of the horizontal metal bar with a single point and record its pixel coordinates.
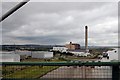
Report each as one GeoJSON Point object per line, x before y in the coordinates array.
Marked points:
{"type": "Point", "coordinates": [64, 63]}
{"type": "Point", "coordinates": [58, 79]}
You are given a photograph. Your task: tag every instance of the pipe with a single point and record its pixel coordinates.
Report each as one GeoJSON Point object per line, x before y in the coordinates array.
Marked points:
{"type": "Point", "coordinates": [13, 10]}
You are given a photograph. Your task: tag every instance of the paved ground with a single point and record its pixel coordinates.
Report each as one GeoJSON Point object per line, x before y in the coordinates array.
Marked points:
{"type": "Point", "coordinates": [80, 72]}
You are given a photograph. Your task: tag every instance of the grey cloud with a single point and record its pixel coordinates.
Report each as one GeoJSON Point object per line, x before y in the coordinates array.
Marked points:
{"type": "Point", "coordinates": [58, 23]}
{"type": "Point", "coordinates": [45, 39]}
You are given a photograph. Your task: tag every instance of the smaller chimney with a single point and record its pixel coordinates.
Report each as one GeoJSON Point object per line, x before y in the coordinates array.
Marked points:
{"type": "Point", "coordinates": [70, 45]}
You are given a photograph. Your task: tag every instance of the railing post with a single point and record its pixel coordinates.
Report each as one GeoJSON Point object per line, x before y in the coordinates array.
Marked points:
{"type": "Point", "coordinates": [115, 72]}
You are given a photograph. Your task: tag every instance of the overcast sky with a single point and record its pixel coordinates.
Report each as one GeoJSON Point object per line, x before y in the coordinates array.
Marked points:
{"type": "Point", "coordinates": [61, 22]}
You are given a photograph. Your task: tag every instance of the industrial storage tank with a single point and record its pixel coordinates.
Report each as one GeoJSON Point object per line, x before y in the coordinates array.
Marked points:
{"type": "Point", "coordinates": [9, 57]}
{"type": "Point", "coordinates": [42, 54]}
{"type": "Point", "coordinates": [61, 49]}
{"type": "Point", "coordinates": [27, 53]}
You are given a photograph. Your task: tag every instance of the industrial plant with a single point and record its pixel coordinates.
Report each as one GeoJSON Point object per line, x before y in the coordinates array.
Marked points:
{"type": "Point", "coordinates": [75, 48]}
{"type": "Point", "coordinates": [72, 46]}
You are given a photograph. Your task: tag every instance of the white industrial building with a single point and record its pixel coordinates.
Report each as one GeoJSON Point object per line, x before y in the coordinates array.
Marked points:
{"type": "Point", "coordinates": [9, 57]}
{"type": "Point", "coordinates": [79, 53]}
{"type": "Point", "coordinates": [7, 52]}
{"type": "Point", "coordinates": [61, 49]}
{"type": "Point", "coordinates": [42, 54]}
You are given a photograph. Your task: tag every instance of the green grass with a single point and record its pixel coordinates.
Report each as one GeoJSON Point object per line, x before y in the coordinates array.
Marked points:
{"type": "Point", "coordinates": [28, 71]}
{"type": "Point", "coordinates": [31, 72]}
{"type": "Point", "coordinates": [41, 60]}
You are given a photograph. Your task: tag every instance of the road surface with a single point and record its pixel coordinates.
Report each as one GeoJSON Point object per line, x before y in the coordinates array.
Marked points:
{"type": "Point", "coordinates": [80, 72]}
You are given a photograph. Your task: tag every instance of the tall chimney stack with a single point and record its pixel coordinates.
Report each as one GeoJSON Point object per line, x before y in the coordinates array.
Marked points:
{"type": "Point", "coordinates": [86, 38]}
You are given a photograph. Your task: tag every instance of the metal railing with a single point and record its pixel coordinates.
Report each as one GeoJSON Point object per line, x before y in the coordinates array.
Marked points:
{"type": "Point", "coordinates": [61, 70]}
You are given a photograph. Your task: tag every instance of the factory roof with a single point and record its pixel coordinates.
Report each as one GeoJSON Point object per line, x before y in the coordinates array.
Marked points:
{"type": "Point", "coordinates": [78, 50]}
{"type": "Point", "coordinates": [75, 44]}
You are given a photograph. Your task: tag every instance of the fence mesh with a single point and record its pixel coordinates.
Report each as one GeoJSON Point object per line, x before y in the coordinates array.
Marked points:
{"type": "Point", "coordinates": [57, 72]}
